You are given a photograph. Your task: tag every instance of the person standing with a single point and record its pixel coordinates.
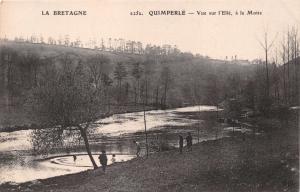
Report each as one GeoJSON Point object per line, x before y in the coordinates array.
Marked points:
{"type": "Point", "coordinates": [113, 159]}
{"type": "Point", "coordinates": [138, 148]}
{"type": "Point", "coordinates": [180, 143]}
{"type": "Point", "coordinates": [74, 158]}
{"type": "Point", "coordinates": [103, 160]}
{"type": "Point", "coordinates": [189, 141]}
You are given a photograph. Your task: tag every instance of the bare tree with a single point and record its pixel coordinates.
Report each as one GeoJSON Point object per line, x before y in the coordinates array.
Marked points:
{"type": "Point", "coordinates": [97, 67]}
{"type": "Point", "coordinates": [288, 46]}
{"type": "Point", "coordinates": [9, 59]}
{"type": "Point", "coordinates": [107, 82]}
{"type": "Point", "coordinates": [120, 73]}
{"type": "Point", "coordinates": [137, 74]}
{"type": "Point", "coordinates": [266, 45]}
{"type": "Point", "coordinates": [295, 52]}
{"type": "Point", "coordinates": [283, 57]}
{"type": "Point", "coordinates": [65, 102]}
{"type": "Point", "coordinates": [166, 79]}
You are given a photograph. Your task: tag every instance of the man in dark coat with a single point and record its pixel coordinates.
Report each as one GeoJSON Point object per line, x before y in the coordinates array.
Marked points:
{"type": "Point", "coordinates": [189, 141]}
{"type": "Point", "coordinates": [180, 143]}
{"type": "Point", "coordinates": [103, 160]}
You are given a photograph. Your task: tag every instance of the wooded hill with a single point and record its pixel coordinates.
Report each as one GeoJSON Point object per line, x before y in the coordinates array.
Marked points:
{"type": "Point", "coordinates": [159, 81]}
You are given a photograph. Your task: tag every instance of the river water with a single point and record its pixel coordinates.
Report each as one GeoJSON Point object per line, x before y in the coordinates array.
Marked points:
{"type": "Point", "coordinates": [115, 134]}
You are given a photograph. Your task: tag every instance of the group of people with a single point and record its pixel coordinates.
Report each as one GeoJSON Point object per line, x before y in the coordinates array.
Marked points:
{"type": "Point", "coordinates": [103, 158]}
{"type": "Point", "coordinates": [189, 142]}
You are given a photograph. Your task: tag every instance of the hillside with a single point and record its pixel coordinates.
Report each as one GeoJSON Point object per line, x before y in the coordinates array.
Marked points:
{"type": "Point", "coordinates": [46, 50]}
{"type": "Point", "coordinates": [164, 80]}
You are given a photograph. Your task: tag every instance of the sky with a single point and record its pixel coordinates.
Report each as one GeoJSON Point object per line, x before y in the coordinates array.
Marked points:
{"type": "Point", "coordinates": [213, 36]}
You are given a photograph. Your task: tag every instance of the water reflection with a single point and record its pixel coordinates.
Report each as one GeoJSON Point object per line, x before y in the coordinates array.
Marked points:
{"type": "Point", "coordinates": [114, 135]}
{"type": "Point", "coordinates": [115, 125]}
{"type": "Point", "coordinates": [52, 167]}
{"type": "Point", "coordinates": [132, 122]}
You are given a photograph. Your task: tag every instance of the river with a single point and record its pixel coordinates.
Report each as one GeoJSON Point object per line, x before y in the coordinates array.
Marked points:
{"type": "Point", "coordinates": [115, 135]}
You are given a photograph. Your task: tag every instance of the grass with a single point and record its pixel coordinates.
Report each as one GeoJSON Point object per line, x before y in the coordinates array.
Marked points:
{"type": "Point", "coordinates": [228, 164]}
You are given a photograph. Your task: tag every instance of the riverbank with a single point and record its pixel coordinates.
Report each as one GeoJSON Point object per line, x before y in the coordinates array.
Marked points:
{"type": "Point", "coordinates": [228, 164]}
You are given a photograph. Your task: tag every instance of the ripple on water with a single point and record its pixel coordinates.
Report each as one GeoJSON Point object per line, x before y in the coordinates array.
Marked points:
{"type": "Point", "coordinates": [115, 125]}
{"type": "Point", "coordinates": [52, 167]}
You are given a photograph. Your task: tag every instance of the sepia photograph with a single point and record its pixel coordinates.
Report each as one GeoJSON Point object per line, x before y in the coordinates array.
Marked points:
{"type": "Point", "coordinates": [149, 96]}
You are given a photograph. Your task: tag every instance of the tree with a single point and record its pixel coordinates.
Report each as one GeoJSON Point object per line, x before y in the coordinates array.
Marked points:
{"type": "Point", "coordinates": [166, 78]}
{"type": "Point", "coordinates": [283, 56]}
{"type": "Point", "coordinates": [148, 69]}
{"type": "Point", "coordinates": [295, 59]}
{"type": "Point", "coordinates": [136, 72]}
{"type": "Point", "coordinates": [288, 52]}
{"type": "Point", "coordinates": [248, 95]}
{"type": "Point", "coordinates": [97, 67]}
{"type": "Point", "coordinates": [266, 45]}
{"type": "Point", "coordinates": [9, 60]}
{"type": "Point", "coordinates": [120, 73]}
{"type": "Point", "coordinates": [67, 40]}
{"type": "Point", "coordinates": [107, 82]}
{"type": "Point", "coordinates": [213, 90]}
{"type": "Point", "coordinates": [32, 62]}
{"type": "Point", "coordinates": [41, 39]}
{"type": "Point", "coordinates": [65, 102]}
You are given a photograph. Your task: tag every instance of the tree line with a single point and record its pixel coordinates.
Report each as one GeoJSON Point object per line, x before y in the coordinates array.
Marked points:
{"type": "Point", "coordinates": [117, 45]}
